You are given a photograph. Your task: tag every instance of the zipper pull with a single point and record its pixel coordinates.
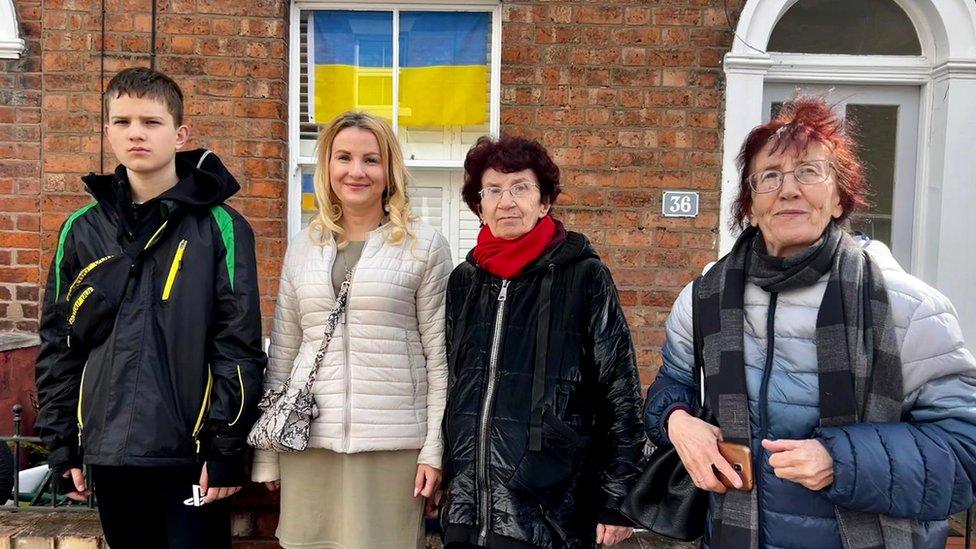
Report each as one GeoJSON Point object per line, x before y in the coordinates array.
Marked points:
{"type": "Point", "coordinates": [502, 295]}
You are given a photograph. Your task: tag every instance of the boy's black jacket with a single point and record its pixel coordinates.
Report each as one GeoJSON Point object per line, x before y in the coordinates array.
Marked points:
{"type": "Point", "coordinates": [178, 377]}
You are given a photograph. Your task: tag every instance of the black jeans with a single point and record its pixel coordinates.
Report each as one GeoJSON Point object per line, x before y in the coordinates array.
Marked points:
{"type": "Point", "coordinates": [142, 508]}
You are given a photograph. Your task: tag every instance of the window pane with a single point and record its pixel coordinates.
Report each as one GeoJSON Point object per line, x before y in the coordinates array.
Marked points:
{"type": "Point", "coordinates": [861, 27]}
{"type": "Point", "coordinates": [877, 130]}
{"type": "Point", "coordinates": [309, 204]}
{"type": "Point", "coordinates": [444, 82]}
{"type": "Point", "coordinates": [351, 64]}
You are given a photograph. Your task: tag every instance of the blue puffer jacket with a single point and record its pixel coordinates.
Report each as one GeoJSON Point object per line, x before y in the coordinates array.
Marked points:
{"type": "Point", "coordinates": [923, 468]}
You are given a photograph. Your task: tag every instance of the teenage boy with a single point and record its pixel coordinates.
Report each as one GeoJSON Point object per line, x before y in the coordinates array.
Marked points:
{"type": "Point", "coordinates": [151, 358]}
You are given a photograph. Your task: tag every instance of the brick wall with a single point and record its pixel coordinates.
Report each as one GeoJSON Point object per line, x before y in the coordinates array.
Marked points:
{"type": "Point", "coordinates": [20, 149]}
{"type": "Point", "coordinates": [229, 58]}
{"type": "Point", "coordinates": [628, 97]}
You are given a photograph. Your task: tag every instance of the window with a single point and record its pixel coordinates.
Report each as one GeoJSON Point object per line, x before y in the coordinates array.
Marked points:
{"type": "Point", "coordinates": [430, 70]}
{"type": "Point", "coordinates": [864, 27]}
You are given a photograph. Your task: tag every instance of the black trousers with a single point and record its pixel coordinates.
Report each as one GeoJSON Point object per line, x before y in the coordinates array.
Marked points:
{"type": "Point", "coordinates": [142, 508]}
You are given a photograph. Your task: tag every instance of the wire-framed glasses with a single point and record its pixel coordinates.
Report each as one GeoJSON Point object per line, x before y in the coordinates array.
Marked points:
{"type": "Point", "coordinates": [494, 194]}
{"type": "Point", "coordinates": [811, 172]}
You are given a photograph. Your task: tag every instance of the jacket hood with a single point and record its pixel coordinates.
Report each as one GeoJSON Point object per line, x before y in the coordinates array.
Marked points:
{"type": "Point", "coordinates": [574, 249]}
{"type": "Point", "coordinates": [204, 181]}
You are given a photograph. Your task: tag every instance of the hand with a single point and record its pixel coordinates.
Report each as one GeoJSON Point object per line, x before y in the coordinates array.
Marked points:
{"type": "Point", "coordinates": [432, 506]}
{"type": "Point", "coordinates": [805, 462]}
{"type": "Point", "coordinates": [213, 494]}
{"type": "Point", "coordinates": [272, 485]}
{"type": "Point", "coordinates": [608, 534]}
{"type": "Point", "coordinates": [427, 482]}
{"type": "Point", "coordinates": [697, 445]}
{"type": "Point", "coordinates": [77, 476]}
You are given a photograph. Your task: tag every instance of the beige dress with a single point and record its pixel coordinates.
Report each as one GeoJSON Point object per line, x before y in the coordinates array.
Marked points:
{"type": "Point", "coordinates": [349, 501]}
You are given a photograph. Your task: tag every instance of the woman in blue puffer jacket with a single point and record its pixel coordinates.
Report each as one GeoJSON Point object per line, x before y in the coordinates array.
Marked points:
{"type": "Point", "coordinates": [846, 376]}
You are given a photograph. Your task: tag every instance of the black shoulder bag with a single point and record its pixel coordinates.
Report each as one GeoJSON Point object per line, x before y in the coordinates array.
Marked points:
{"type": "Point", "coordinates": [664, 499]}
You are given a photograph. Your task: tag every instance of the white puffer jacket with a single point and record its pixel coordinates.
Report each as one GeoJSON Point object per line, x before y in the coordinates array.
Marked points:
{"type": "Point", "coordinates": [383, 381]}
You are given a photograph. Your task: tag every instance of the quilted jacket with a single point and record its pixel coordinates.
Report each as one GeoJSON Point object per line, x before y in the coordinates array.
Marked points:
{"type": "Point", "coordinates": [383, 381]}
{"type": "Point", "coordinates": [922, 468]}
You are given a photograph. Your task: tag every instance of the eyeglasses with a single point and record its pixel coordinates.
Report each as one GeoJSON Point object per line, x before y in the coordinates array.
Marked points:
{"type": "Point", "coordinates": [494, 194]}
{"type": "Point", "coordinates": [811, 172]}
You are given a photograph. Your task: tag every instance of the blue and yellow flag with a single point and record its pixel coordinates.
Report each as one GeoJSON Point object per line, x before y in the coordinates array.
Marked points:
{"type": "Point", "coordinates": [352, 56]}
{"type": "Point", "coordinates": [443, 68]}
{"type": "Point", "coordinates": [443, 65]}
{"type": "Point", "coordinates": [308, 193]}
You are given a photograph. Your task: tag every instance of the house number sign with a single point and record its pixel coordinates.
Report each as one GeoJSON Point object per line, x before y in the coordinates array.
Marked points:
{"type": "Point", "coordinates": [679, 204]}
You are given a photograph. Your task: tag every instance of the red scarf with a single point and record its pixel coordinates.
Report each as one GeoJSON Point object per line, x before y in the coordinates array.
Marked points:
{"type": "Point", "coordinates": [507, 258]}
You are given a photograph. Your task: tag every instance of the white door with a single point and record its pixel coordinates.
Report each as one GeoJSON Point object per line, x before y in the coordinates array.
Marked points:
{"type": "Point", "coordinates": [886, 122]}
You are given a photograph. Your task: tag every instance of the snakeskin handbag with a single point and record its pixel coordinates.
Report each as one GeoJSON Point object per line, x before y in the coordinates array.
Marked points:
{"type": "Point", "coordinates": [287, 411]}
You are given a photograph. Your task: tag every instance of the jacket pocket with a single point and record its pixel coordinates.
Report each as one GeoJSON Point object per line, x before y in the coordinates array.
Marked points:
{"type": "Point", "coordinates": [548, 473]}
{"type": "Point", "coordinates": [414, 381]}
{"type": "Point", "coordinates": [84, 273]}
{"type": "Point", "coordinates": [81, 399]}
{"type": "Point", "coordinates": [174, 269]}
{"type": "Point", "coordinates": [203, 410]}
{"type": "Point", "coordinates": [240, 411]}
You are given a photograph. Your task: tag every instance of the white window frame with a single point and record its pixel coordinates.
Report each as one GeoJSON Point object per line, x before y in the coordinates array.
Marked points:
{"type": "Point", "coordinates": [453, 204]}
{"type": "Point", "coordinates": [946, 74]}
{"type": "Point", "coordinates": [12, 46]}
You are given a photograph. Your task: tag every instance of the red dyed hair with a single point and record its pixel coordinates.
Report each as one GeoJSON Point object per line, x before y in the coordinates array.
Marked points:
{"type": "Point", "coordinates": [801, 121]}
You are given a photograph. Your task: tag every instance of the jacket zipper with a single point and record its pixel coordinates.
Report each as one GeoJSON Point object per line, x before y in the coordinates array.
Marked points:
{"type": "Point", "coordinates": [240, 411]}
{"type": "Point", "coordinates": [486, 408]}
{"type": "Point", "coordinates": [81, 395]}
{"type": "Point", "coordinates": [174, 269]}
{"type": "Point", "coordinates": [203, 408]}
{"type": "Point", "coordinates": [764, 404]}
{"type": "Point", "coordinates": [347, 404]}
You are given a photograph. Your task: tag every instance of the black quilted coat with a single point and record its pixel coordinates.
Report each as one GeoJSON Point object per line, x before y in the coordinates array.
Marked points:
{"type": "Point", "coordinates": [542, 428]}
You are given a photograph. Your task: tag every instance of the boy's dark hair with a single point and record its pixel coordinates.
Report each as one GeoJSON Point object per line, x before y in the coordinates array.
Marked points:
{"type": "Point", "coordinates": [143, 82]}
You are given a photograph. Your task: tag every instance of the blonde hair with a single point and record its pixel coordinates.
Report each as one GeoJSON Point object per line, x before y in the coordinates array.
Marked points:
{"type": "Point", "coordinates": [395, 200]}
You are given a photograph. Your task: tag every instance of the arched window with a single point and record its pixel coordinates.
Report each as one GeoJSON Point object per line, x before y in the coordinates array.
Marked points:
{"type": "Point", "coordinates": [11, 44]}
{"type": "Point", "coordinates": [864, 27]}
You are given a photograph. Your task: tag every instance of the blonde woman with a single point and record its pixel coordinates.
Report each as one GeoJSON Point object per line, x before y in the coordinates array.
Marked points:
{"type": "Point", "coordinates": [375, 448]}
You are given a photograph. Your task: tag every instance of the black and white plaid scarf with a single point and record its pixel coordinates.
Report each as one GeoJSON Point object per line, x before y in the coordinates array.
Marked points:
{"type": "Point", "coordinates": [859, 367]}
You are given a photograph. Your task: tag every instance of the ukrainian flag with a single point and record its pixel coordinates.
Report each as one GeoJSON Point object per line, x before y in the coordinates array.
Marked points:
{"type": "Point", "coordinates": [352, 57]}
{"type": "Point", "coordinates": [443, 65]}
{"type": "Point", "coordinates": [443, 68]}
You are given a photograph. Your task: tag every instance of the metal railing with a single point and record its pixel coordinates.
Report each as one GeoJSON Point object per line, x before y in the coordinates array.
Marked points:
{"type": "Point", "coordinates": [48, 486]}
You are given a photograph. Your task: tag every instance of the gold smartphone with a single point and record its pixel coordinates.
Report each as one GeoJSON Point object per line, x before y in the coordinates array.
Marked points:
{"type": "Point", "coordinates": [739, 457]}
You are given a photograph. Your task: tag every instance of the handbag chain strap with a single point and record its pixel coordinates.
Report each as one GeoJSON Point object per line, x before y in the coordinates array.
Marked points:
{"type": "Point", "coordinates": [330, 325]}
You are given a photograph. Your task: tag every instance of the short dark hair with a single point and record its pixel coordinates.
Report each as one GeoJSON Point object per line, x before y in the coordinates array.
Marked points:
{"type": "Point", "coordinates": [143, 82]}
{"type": "Point", "coordinates": [507, 155]}
{"type": "Point", "coordinates": [801, 121]}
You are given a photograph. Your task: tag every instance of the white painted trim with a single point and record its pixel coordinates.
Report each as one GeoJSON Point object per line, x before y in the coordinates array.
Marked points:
{"type": "Point", "coordinates": [12, 46]}
{"type": "Point", "coordinates": [861, 69]}
{"type": "Point", "coordinates": [294, 191]}
{"type": "Point", "coordinates": [495, 73]}
{"type": "Point", "coordinates": [946, 74]}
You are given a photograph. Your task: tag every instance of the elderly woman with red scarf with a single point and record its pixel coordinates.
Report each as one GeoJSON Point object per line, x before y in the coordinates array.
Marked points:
{"type": "Point", "coordinates": [542, 428]}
